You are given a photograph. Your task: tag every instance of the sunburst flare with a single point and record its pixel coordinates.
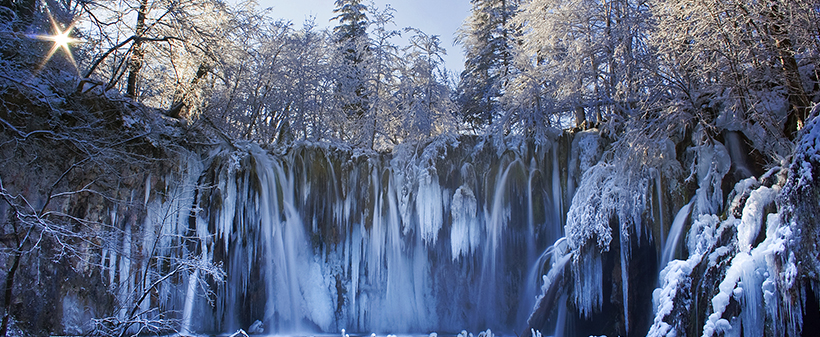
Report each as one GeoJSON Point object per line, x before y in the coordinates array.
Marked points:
{"type": "Point", "coordinates": [61, 39]}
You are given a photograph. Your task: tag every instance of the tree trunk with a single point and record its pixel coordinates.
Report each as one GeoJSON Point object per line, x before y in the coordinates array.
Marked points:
{"type": "Point", "coordinates": [179, 103]}
{"type": "Point", "coordinates": [9, 284]}
{"type": "Point", "coordinates": [137, 56]}
{"type": "Point", "coordinates": [798, 99]}
{"type": "Point", "coordinates": [580, 117]}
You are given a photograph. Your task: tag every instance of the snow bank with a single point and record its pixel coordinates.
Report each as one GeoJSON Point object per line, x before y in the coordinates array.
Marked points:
{"type": "Point", "coordinates": [753, 214]}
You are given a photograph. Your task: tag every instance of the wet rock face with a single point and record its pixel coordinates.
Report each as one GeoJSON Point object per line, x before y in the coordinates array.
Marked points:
{"type": "Point", "coordinates": [75, 174]}
{"type": "Point", "coordinates": [58, 287]}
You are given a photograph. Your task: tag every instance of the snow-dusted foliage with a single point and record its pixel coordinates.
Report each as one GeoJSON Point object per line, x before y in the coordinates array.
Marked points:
{"type": "Point", "coordinates": [579, 56]}
{"type": "Point", "coordinates": [602, 195]}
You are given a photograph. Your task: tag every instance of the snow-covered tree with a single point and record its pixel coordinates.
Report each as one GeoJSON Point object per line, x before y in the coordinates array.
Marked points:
{"type": "Point", "coordinates": [528, 109]}
{"type": "Point", "coordinates": [425, 102]}
{"type": "Point", "coordinates": [274, 82]}
{"type": "Point", "coordinates": [386, 62]}
{"type": "Point", "coordinates": [170, 44]}
{"type": "Point", "coordinates": [739, 66]}
{"type": "Point", "coordinates": [308, 64]}
{"type": "Point", "coordinates": [487, 36]}
{"type": "Point", "coordinates": [589, 54]}
{"type": "Point", "coordinates": [353, 63]}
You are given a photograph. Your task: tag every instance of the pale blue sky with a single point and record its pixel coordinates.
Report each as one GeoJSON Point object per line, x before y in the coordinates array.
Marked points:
{"type": "Point", "coordinates": [434, 17]}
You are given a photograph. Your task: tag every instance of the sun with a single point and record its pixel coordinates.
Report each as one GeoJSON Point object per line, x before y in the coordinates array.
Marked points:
{"type": "Point", "coordinates": [61, 39]}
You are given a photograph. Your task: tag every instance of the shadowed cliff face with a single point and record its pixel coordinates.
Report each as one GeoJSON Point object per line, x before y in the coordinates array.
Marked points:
{"type": "Point", "coordinates": [74, 183]}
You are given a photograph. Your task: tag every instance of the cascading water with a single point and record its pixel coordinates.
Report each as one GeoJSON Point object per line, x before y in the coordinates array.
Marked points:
{"type": "Point", "coordinates": [438, 239]}
{"type": "Point", "coordinates": [670, 245]}
{"type": "Point", "coordinates": [450, 235]}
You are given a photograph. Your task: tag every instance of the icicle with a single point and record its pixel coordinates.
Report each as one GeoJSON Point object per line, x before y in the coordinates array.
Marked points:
{"type": "Point", "coordinates": [190, 296]}
{"type": "Point", "coordinates": [429, 205]}
{"type": "Point", "coordinates": [557, 196]}
{"type": "Point", "coordinates": [126, 281]}
{"type": "Point", "coordinates": [662, 223]}
{"type": "Point", "coordinates": [147, 189]}
{"type": "Point", "coordinates": [588, 274]}
{"type": "Point", "coordinates": [463, 211]}
{"type": "Point", "coordinates": [225, 222]}
{"type": "Point", "coordinates": [530, 209]}
{"type": "Point", "coordinates": [625, 256]}
{"type": "Point", "coordinates": [752, 314]}
{"type": "Point", "coordinates": [355, 262]}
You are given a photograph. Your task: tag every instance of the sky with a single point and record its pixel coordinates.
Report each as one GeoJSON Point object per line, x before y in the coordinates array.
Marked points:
{"type": "Point", "coordinates": [433, 17]}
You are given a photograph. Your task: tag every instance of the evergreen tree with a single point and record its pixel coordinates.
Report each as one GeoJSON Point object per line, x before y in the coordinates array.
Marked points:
{"type": "Point", "coordinates": [488, 37]}
{"type": "Point", "coordinates": [352, 40]}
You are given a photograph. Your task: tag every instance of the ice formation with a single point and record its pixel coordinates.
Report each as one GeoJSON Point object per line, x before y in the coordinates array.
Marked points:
{"type": "Point", "coordinates": [458, 234]}
{"type": "Point", "coordinates": [318, 239]}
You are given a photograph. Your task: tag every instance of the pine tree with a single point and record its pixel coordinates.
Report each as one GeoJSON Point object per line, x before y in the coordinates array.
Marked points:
{"type": "Point", "coordinates": [352, 40]}
{"type": "Point", "coordinates": [488, 37]}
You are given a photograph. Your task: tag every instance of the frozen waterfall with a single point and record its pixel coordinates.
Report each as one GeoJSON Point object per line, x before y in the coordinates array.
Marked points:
{"type": "Point", "coordinates": [464, 233]}
{"type": "Point", "coordinates": [439, 239]}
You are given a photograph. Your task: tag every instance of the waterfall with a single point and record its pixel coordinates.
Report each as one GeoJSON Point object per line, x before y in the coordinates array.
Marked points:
{"type": "Point", "coordinates": [434, 238]}
{"type": "Point", "coordinates": [446, 236]}
{"type": "Point", "coordinates": [670, 246]}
